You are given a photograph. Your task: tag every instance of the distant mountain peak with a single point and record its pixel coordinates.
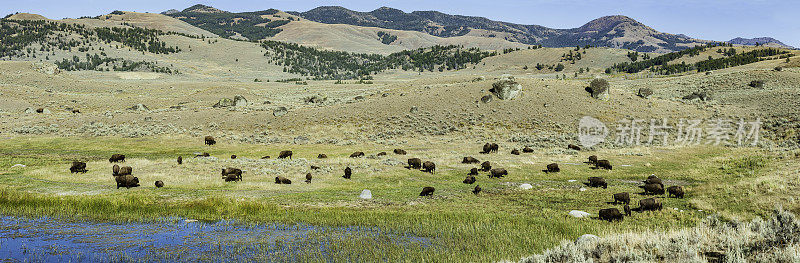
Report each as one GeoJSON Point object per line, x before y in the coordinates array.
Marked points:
{"type": "Point", "coordinates": [758, 40]}
{"type": "Point", "coordinates": [171, 11]}
{"type": "Point", "coordinates": [609, 22]}
{"type": "Point", "coordinates": [200, 8]}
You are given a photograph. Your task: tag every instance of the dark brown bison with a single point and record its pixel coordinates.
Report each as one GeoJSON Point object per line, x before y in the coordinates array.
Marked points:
{"type": "Point", "coordinates": [231, 174]}
{"type": "Point", "coordinates": [427, 191]}
{"type": "Point", "coordinates": [40, 110]}
{"type": "Point", "coordinates": [476, 190]}
{"type": "Point", "coordinates": [597, 182]}
{"type": "Point", "coordinates": [622, 198]}
{"type": "Point", "coordinates": [357, 154]}
{"type": "Point", "coordinates": [574, 147]}
{"type": "Point", "coordinates": [653, 189]}
{"type": "Point", "coordinates": [593, 159]}
{"type": "Point", "coordinates": [76, 111]}
{"type": "Point", "coordinates": [469, 180]}
{"type": "Point", "coordinates": [486, 166]}
{"type": "Point", "coordinates": [429, 167]}
{"type": "Point", "coordinates": [203, 155]}
{"type": "Point", "coordinates": [490, 148]}
{"type": "Point", "coordinates": [347, 173]}
{"type": "Point", "coordinates": [233, 156]}
{"type": "Point", "coordinates": [210, 140]}
{"type": "Point", "coordinates": [125, 170]}
{"type": "Point", "coordinates": [77, 167]}
{"type": "Point", "coordinates": [180, 160]}
{"type": "Point", "coordinates": [322, 156]}
{"type": "Point", "coordinates": [470, 160]}
{"type": "Point", "coordinates": [282, 180]}
{"type": "Point", "coordinates": [527, 149]}
{"type": "Point", "coordinates": [314, 167]}
{"type": "Point", "coordinates": [308, 178]}
{"type": "Point", "coordinates": [285, 154]}
{"type": "Point", "coordinates": [652, 179]}
{"type": "Point", "coordinates": [159, 184]}
{"type": "Point", "coordinates": [399, 151]}
{"type": "Point", "coordinates": [610, 214]}
{"type": "Point", "coordinates": [126, 181]}
{"type": "Point", "coordinates": [552, 168]}
{"type": "Point", "coordinates": [381, 154]}
{"type": "Point", "coordinates": [473, 171]}
{"type": "Point", "coordinates": [498, 173]}
{"type": "Point", "coordinates": [495, 147]}
{"type": "Point", "coordinates": [627, 209]}
{"type": "Point", "coordinates": [603, 164]}
{"type": "Point", "coordinates": [649, 204]}
{"type": "Point", "coordinates": [117, 158]}
{"type": "Point", "coordinates": [265, 157]}
{"type": "Point", "coordinates": [115, 170]}
{"type": "Point", "coordinates": [515, 152]}
{"type": "Point", "coordinates": [675, 191]}
{"type": "Point", "coordinates": [414, 163]}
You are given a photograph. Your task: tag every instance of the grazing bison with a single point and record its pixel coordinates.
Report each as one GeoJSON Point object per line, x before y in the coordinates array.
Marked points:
{"type": "Point", "coordinates": [627, 209]}
{"type": "Point", "coordinates": [347, 173]}
{"type": "Point", "coordinates": [322, 156]}
{"type": "Point", "coordinates": [470, 160]}
{"type": "Point", "coordinates": [233, 156]}
{"type": "Point", "coordinates": [593, 159]}
{"type": "Point", "coordinates": [574, 147]}
{"type": "Point", "coordinates": [77, 167]}
{"type": "Point", "coordinates": [357, 154]}
{"type": "Point", "coordinates": [653, 189]}
{"type": "Point", "coordinates": [473, 171]}
{"type": "Point", "coordinates": [125, 170]}
{"type": "Point", "coordinates": [486, 166]}
{"type": "Point", "coordinates": [610, 214]}
{"type": "Point", "coordinates": [285, 154]}
{"type": "Point", "coordinates": [265, 157]}
{"type": "Point", "coordinates": [469, 180]}
{"type": "Point", "coordinates": [622, 198]}
{"type": "Point", "coordinates": [597, 182]}
{"type": "Point", "coordinates": [490, 148]}
{"type": "Point", "coordinates": [652, 179]}
{"type": "Point", "coordinates": [126, 181]}
{"type": "Point", "coordinates": [427, 191]}
{"type": "Point", "coordinates": [282, 180]}
{"type": "Point", "coordinates": [498, 173]}
{"type": "Point", "coordinates": [649, 204]}
{"type": "Point", "coordinates": [515, 152]}
{"type": "Point", "coordinates": [552, 168]}
{"type": "Point", "coordinates": [115, 170]}
{"type": "Point", "coordinates": [675, 191]}
{"type": "Point", "coordinates": [527, 149]}
{"type": "Point", "coordinates": [429, 167]}
{"type": "Point", "coordinates": [495, 147]}
{"type": "Point", "coordinates": [603, 164]}
{"type": "Point", "coordinates": [159, 184]}
{"type": "Point", "coordinates": [399, 151]}
{"type": "Point", "coordinates": [203, 155]}
{"type": "Point", "coordinates": [210, 140]}
{"type": "Point", "coordinates": [381, 154]}
{"type": "Point", "coordinates": [117, 158]}
{"type": "Point", "coordinates": [231, 174]}
{"type": "Point", "coordinates": [476, 190]}
{"type": "Point", "coordinates": [414, 163]}
{"type": "Point", "coordinates": [314, 167]}
{"type": "Point", "coordinates": [180, 160]}
{"type": "Point", "coordinates": [308, 178]}
{"type": "Point", "coordinates": [40, 110]}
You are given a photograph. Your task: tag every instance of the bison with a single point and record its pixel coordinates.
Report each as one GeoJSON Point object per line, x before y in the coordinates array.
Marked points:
{"type": "Point", "coordinates": [653, 189]}
{"type": "Point", "coordinates": [314, 167]}
{"type": "Point", "coordinates": [427, 191]}
{"type": "Point", "coordinates": [469, 180]}
{"type": "Point", "coordinates": [552, 168]}
{"type": "Point", "coordinates": [210, 140]}
{"type": "Point", "coordinates": [180, 160]}
{"type": "Point", "coordinates": [357, 154]}
{"type": "Point", "coordinates": [203, 155]}
{"type": "Point", "coordinates": [597, 182]}
{"type": "Point", "coordinates": [285, 154]}
{"type": "Point", "coordinates": [627, 209]}
{"type": "Point", "coordinates": [77, 167]}
{"type": "Point", "coordinates": [652, 179]}
{"type": "Point", "coordinates": [649, 204]}
{"type": "Point", "coordinates": [603, 164]}
{"type": "Point", "coordinates": [429, 167]}
{"type": "Point", "coordinates": [308, 178]}
{"type": "Point", "coordinates": [347, 173]}
{"type": "Point", "coordinates": [593, 159]}
{"type": "Point", "coordinates": [265, 157]}
{"type": "Point", "coordinates": [322, 156]}
{"type": "Point", "coordinates": [622, 198]}
{"type": "Point", "coordinates": [527, 149]}
{"type": "Point", "coordinates": [470, 160]}
{"type": "Point", "coordinates": [498, 173]}
{"type": "Point", "coordinates": [125, 170]}
{"type": "Point", "coordinates": [282, 180]}
{"type": "Point", "coordinates": [515, 152]}
{"type": "Point", "coordinates": [486, 166]}
{"type": "Point", "coordinates": [399, 151]}
{"type": "Point", "coordinates": [381, 154]}
{"type": "Point", "coordinates": [159, 184]}
{"type": "Point", "coordinates": [476, 190]}
{"type": "Point", "coordinates": [117, 158]}
{"type": "Point", "coordinates": [610, 214]}
{"type": "Point", "coordinates": [115, 170]}
{"type": "Point", "coordinates": [675, 191]}
{"type": "Point", "coordinates": [414, 163]}
{"type": "Point", "coordinates": [473, 171]}
{"type": "Point", "coordinates": [231, 174]}
{"type": "Point", "coordinates": [233, 156]}
{"type": "Point", "coordinates": [126, 181]}
{"type": "Point", "coordinates": [573, 147]}
{"type": "Point", "coordinates": [490, 148]}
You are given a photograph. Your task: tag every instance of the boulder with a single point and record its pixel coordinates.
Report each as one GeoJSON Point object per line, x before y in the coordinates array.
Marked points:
{"type": "Point", "coordinates": [280, 111]}
{"type": "Point", "coordinates": [506, 88]}
{"type": "Point", "coordinates": [579, 214]}
{"type": "Point", "coordinates": [366, 194]}
{"type": "Point", "coordinates": [487, 98]}
{"type": "Point", "coordinates": [414, 109]}
{"type": "Point", "coordinates": [239, 101]}
{"type": "Point", "coordinates": [645, 93]}
{"type": "Point", "coordinates": [586, 238]}
{"type": "Point", "coordinates": [139, 107]}
{"type": "Point", "coordinates": [525, 186]}
{"type": "Point", "coordinates": [30, 111]}
{"type": "Point", "coordinates": [224, 103]}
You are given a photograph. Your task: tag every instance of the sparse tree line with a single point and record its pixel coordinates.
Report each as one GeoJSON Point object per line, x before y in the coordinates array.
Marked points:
{"type": "Point", "coordinates": [102, 63]}
{"type": "Point", "coordinates": [250, 25]}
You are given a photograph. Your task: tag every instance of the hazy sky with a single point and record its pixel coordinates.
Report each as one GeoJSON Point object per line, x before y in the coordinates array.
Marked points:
{"type": "Point", "coordinates": [710, 19]}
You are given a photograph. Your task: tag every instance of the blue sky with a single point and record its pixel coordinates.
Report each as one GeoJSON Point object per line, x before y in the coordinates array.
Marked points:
{"type": "Point", "coordinates": [710, 19]}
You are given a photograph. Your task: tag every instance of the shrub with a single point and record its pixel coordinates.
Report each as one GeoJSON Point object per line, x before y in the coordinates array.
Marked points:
{"type": "Point", "coordinates": [756, 84]}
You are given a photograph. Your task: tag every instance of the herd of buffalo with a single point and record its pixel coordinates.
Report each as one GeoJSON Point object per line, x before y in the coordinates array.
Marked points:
{"type": "Point", "coordinates": [653, 185]}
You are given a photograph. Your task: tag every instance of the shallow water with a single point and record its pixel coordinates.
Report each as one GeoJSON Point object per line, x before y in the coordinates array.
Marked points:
{"type": "Point", "coordinates": [55, 240]}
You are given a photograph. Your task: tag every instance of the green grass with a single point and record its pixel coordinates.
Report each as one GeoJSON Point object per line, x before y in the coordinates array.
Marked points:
{"type": "Point", "coordinates": [503, 222]}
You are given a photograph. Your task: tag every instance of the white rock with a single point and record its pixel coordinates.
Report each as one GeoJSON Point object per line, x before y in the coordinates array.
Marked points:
{"type": "Point", "coordinates": [366, 194]}
{"type": "Point", "coordinates": [579, 214]}
{"type": "Point", "coordinates": [18, 166]}
{"type": "Point", "coordinates": [586, 238]}
{"type": "Point", "coordinates": [572, 181]}
{"type": "Point", "coordinates": [525, 186]}
{"type": "Point", "coordinates": [583, 189]}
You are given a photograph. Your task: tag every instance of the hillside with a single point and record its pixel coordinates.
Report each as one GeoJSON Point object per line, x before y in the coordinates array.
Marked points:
{"type": "Point", "coordinates": [610, 31]}
{"type": "Point", "coordinates": [759, 41]}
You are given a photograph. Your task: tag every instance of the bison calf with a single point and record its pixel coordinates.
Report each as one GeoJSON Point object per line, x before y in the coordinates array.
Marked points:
{"type": "Point", "coordinates": [308, 178]}
{"type": "Point", "coordinates": [476, 190]}
{"type": "Point", "coordinates": [610, 214]}
{"type": "Point", "coordinates": [427, 191]}
{"type": "Point", "coordinates": [231, 174]}
{"type": "Point", "coordinates": [159, 184]}
{"type": "Point", "coordinates": [473, 171]}
{"type": "Point", "coordinates": [469, 180]}
{"type": "Point", "coordinates": [180, 160]}
{"type": "Point", "coordinates": [593, 159]}
{"type": "Point", "coordinates": [627, 209]}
